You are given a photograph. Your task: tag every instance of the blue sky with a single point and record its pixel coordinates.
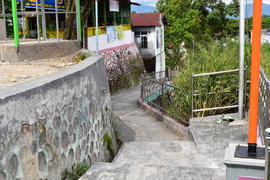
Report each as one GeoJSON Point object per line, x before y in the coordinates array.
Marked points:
{"type": "Point", "coordinates": [153, 2]}
{"type": "Point", "coordinates": [147, 2]}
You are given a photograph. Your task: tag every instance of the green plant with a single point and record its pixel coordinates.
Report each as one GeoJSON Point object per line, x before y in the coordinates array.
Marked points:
{"type": "Point", "coordinates": [265, 59]}
{"type": "Point", "coordinates": [136, 66]}
{"type": "Point", "coordinates": [75, 174]}
{"type": "Point", "coordinates": [212, 57]}
{"type": "Point", "coordinates": [80, 57]}
{"type": "Point", "coordinates": [107, 140]}
{"type": "Point", "coordinates": [129, 77]}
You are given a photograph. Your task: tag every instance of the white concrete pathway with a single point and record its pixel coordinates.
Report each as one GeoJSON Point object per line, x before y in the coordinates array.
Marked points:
{"type": "Point", "coordinates": [154, 152]}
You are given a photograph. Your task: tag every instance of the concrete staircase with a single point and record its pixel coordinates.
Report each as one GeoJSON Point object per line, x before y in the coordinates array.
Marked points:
{"type": "Point", "coordinates": [174, 160]}
{"type": "Point", "coordinates": [167, 160]}
{"type": "Point", "coordinates": [156, 153]}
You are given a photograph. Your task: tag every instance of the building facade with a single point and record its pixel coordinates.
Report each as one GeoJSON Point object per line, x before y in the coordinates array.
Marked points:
{"type": "Point", "coordinates": [114, 25]}
{"type": "Point", "coordinates": [149, 37]}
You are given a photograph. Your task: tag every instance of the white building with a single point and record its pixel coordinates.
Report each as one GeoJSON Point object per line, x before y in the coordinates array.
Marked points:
{"type": "Point", "coordinates": [149, 36]}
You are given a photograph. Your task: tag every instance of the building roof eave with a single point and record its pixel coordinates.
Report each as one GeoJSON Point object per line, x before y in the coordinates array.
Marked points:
{"type": "Point", "coordinates": [134, 3]}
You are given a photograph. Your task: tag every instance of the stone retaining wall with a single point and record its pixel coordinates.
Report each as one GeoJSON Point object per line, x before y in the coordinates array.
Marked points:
{"type": "Point", "coordinates": [52, 123]}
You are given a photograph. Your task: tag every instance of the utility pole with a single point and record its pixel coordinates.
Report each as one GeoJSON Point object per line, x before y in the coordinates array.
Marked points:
{"type": "Point", "coordinates": [78, 16]}
{"type": "Point", "coordinates": [97, 43]}
{"type": "Point", "coordinates": [241, 60]}
{"type": "Point", "coordinates": [43, 20]}
{"type": "Point", "coordinates": [15, 24]}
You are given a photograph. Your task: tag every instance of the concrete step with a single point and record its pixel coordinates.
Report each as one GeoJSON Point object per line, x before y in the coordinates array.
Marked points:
{"type": "Point", "coordinates": [168, 153]}
{"type": "Point", "coordinates": [167, 160]}
{"type": "Point", "coordinates": [130, 171]}
{"type": "Point", "coordinates": [157, 146]}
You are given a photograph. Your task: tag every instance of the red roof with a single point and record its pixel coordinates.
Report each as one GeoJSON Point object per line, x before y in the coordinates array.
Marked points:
{"type": "Point", "coordinates": [146, 19]}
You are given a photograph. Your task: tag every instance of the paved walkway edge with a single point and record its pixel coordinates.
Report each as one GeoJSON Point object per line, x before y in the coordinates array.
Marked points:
{"type": "Point", "coordinates": [178, 128]}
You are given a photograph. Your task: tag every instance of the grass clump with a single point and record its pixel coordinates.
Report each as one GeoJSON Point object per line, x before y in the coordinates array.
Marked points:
{"type": "Point", "coordinates": [265, 59]}
{"type": "Point", "coordinates": [107, 140]}
{"type": "Point", "coordinates": [76, 173]}
{"type": "Point", "coordinates": [212, 57]}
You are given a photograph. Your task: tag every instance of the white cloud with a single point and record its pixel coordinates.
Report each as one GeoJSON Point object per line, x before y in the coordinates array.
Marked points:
{"type": "Point", "coordinates": [248, 1]}
{"type": "Point", "coordinates": [147, 2]}
{"type": "Point", "coordinates": [264, 1]}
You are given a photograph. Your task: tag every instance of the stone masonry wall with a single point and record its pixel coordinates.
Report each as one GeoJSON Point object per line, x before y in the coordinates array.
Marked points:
{"type": "Point", "coordinates": [50, 124]}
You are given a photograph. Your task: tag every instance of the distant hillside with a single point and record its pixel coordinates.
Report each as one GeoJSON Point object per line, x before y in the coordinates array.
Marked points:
{"type": "Point", "coordinates": [265, 10]}
{"type": "Point", "coordinates": [142, 9]}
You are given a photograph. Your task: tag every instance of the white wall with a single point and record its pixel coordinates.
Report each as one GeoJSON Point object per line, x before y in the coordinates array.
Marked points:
{"type": "Point", "coordinates": [150, 52]}
{"type": "Point", "coordinates": [153, 51]}
{"type": "Point", "coordinates": [104, 44]}
{"type": "Point", "coordinates": [160, 51]}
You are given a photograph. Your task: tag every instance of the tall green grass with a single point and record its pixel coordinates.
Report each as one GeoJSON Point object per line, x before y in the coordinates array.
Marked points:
{"type": "Point", "coordinates": [265, 59]}
{"type": "Point", "coordinates": [223, 89]}
{"type": "Point", "coordinates": [214, 57]}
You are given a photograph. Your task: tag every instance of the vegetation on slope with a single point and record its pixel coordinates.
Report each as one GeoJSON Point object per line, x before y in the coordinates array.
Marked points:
{"type": "Point", "coordinates": [223, 88]}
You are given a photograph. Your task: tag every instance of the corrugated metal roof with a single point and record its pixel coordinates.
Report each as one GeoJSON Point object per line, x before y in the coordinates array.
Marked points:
{"type": "Point", "coordinates": [146, 19]}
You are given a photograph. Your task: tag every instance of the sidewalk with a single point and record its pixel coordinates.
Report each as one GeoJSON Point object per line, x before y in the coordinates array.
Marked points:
{"type": "Point", "coordinates": [146, 128]}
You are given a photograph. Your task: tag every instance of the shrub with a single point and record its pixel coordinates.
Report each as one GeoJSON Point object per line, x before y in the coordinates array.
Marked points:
{"type": "Point", "coordinates": [213, 57]}
{"type": "Point", "coordinates": [107, 140]}
{"type": "Point", "coordinates": [123, 68]}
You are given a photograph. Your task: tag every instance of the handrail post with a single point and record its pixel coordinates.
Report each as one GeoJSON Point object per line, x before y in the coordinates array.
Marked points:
{"type": "Point", "coordinates": [162, 97]}
{"type": "Point", "coordinates": [142, 88]}
{"type": "Point", "coordinates": [245, 93]}
{"type": "Point", "coordinates": [266, 125]}
{"type": "Point", "coordinates": [192, 94]}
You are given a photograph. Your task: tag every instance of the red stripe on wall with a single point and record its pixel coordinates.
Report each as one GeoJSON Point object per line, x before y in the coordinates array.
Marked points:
{"type": "Point", "coordinates": [118, 47]}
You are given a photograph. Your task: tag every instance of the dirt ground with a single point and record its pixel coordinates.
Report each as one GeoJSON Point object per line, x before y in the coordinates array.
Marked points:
{"type": "Point", "coordinates": [14, 73]}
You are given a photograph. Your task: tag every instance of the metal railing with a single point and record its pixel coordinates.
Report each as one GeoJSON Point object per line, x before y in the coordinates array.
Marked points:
{"type": "Point", "coordinates": [220, 96]}
{"type": "Point", "coordinates": [161, 75]}
{"type": "Point", "coordinates": [42, 12]}
{"type": "Point", "coordinates": [264, 121]}
{"type": "Point", "coordinates": [264, 104]}
{"type": "Point", "coordinates": [165, 98]}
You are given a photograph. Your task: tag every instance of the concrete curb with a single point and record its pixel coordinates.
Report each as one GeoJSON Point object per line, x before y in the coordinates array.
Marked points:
{"type": "Point", "coordinates": [178, 128]}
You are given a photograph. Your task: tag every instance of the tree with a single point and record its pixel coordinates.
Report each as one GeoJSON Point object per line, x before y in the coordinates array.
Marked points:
{"type": "Point", "coordinates": [197, 20]}
{"type": "Point", "coordinates": [70, 18]}
{"type": "Point", "coordinates": [182, 20]}
{"type": "Point", "coordinates": [86, 6]}
{"type": "Point", "coordinates": [233, 8]}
